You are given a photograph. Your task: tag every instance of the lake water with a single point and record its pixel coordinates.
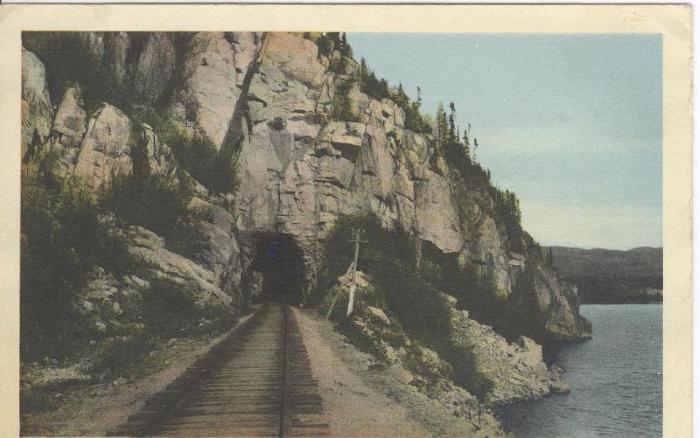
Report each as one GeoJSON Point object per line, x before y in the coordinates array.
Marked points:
{"type": "Point", "coordinates": [616, 381]}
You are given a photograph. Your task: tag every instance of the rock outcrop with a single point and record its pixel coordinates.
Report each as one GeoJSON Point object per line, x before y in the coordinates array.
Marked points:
{"type": "Point", "coordinates": [268, 102]}
{"type": "Point", "coordinates": [105, 150]}
{"type": "Point", "coordinates": [155, 67]}
{"type": "Point", "coordinates": [299, 167]}
{"type": "Point", "coordinates": [37, 112]}
{"type": "Point", "coordinates": [299, 177]}
{"type": "Point", "coordinates": [205, 99]}
{"type": "Point", "coordinates": [507, 372]}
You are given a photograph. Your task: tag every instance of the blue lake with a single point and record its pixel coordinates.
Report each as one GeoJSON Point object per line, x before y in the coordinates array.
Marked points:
{"type": "Point", "coordinates": [616, 380]}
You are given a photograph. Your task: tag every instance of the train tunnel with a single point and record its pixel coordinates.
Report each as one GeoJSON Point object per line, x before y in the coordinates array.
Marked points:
{"type": "Point", "coordinates": [281, 262]}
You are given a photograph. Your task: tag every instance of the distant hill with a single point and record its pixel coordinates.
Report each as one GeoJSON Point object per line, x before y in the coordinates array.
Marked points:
{"type": "Point", "coordinates": [611, 276]}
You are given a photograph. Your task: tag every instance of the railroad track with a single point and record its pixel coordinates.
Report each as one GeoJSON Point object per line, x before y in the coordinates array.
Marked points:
{"type": "Point", "coordinates": [259, 383]}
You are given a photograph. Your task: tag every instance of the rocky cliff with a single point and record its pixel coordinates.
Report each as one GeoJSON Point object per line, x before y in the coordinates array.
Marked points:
{"type": "Point", "coordinates": [266, 105]}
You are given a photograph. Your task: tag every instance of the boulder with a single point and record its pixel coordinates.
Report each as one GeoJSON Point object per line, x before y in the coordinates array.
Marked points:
{"type": "Point", "coordinates": [164, 263]}
{"type": "Point", "coordinates": [67, 133]}
{"type": "Point", "coordinates": [104, 151]}
{"type": "Point", "coordinates": [71, 120]}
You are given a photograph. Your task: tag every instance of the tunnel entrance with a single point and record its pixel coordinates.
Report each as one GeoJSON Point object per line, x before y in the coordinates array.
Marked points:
{"type": "Point", "coordinates": [281, 262]}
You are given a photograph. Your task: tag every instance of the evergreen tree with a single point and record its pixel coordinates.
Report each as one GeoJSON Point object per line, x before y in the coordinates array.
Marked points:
{"type": "Point", "coordinates": [441, 125]}
{"type": "Point", "coordinates": [452, 136]}
{"type": "Point", "coordinates": [401, 98]}
{"type": "Point", "coordinates": [345, 48]}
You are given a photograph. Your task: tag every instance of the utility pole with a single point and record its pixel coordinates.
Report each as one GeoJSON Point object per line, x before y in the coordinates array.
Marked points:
{"type": "Point", "coordinates": [353, 285]}
{"type": "Point", "coordinates": [352, 271]}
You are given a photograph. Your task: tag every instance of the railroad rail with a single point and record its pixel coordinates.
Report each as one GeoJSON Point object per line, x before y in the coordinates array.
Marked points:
{"type": "Point", "coordinates": [259, 383]}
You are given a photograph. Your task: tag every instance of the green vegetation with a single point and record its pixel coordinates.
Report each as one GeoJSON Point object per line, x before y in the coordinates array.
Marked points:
{"type": "Point", "coordinates": [334, 46]}
{"type": "Point", "coordinates": [160, 204]}
{"type": "Point", "coordinates": [196, 155]}
{"type": "Point", "coordinates": [413, 119]}
{"type": "Point", "coordinates": [68, 59]}
{"type": "Point", "coordinates": [507, 212]}
{"type": "Point", "coordinates": [370, 85]}
{"type": "Point", "coordinates": [123, 356]}
{"type": "Point", "coordinates": [64, 237]}
{"type": "Point", "coordinates": [405, 287]}
{"type": "Point", "coordinates": [464, 281]}
{"type": "Point", "coordinates": [329, 42]}
{"type": "Point", "coordinates": [67, 234]}
{"type": "Point", "coordinates": [459, 155]}
{"type": "Point", "coordinates": [390, 259]}
{"type": "Point", "coordinates": [408, 288]}
{"type": "Point", "coordinates": [341, 107]}
{"type": "Point", "coordinates": [168, 309]}
{"type": "Point", "coordinates": [155, 202]}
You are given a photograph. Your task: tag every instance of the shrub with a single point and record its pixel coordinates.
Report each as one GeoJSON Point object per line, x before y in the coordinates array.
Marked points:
{"type": "Point", "coordinates": [390, 258]}
{"type": "Point", "coordinates": [278, 124]}
{"type": "Point", "coordinates": [370, 85]}
{"type": "Point", "coordinates": [325, 45]}
{"type": "Point", "coordinates": [341, 107]}
{"type": "Point", "coordinates": [155, 202]}
{"type": "Point", "coordinates": [196, 155]}
{"type": "Point", "coordinates": [122, 356]}
{"type": "Point", "coordinates": [170, 308]}
{"type": "Point", "coordinates": [416, 303]}
{"type": "Point", "coordinates": [463, 281]}
{"type": "Point", "coordinates": [189, 240]}
{"type": "Point", "coordinates": [315, 118]}
{"type": "Point", "coordinates": [63, 238]}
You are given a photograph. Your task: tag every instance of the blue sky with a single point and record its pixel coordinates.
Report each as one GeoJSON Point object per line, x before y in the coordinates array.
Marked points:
{"type": "Point", "coordinates": [571, 123]}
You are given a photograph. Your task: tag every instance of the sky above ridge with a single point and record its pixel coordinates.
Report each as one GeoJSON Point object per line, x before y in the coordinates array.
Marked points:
{"type": "Point", "coordinates": [571, 123]}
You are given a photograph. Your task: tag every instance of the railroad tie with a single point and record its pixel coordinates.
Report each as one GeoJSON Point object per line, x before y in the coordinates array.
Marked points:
{"type": "Point", "coordinates": [259, 385]}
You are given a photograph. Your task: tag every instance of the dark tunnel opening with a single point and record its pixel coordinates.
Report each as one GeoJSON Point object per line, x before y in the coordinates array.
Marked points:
{"type": "Point", "coordinates": [281, 262]}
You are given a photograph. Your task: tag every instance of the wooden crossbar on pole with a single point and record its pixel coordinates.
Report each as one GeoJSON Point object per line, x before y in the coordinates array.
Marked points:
{"type": "Point", "coordinates": [353, 284]}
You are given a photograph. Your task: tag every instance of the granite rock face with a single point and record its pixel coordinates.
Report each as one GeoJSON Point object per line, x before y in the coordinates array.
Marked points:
{"type": "Point", "coordinates": [37, 112]}
{"type": "Point", "coordinates": [510, 372]}
{"type": "Point", "coordinates": [299, 167]}
{"type": "Point", "coordinates": [206, 96]}
{"type": "Point", "coordinates": [299, 176]}
{"type": "Point", "coordinates": [155, 67]}
{"type": "Point", "coordinates": [105, 150]}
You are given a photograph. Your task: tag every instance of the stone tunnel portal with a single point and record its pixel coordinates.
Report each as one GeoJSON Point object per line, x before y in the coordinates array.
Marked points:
{"type": "Point", "coordinates": [281, 262]}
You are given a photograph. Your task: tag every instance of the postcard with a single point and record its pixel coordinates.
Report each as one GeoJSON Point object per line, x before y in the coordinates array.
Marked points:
{"type": "Point", "coordinates": [346, 220]}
